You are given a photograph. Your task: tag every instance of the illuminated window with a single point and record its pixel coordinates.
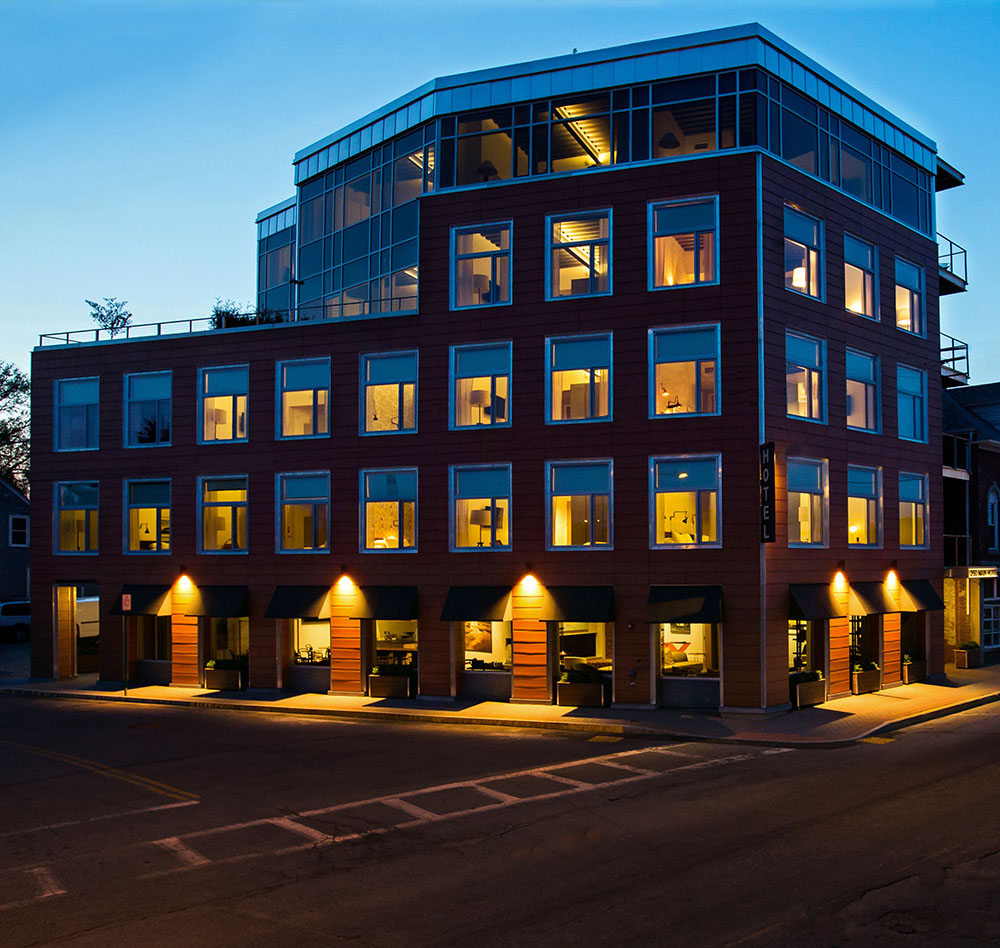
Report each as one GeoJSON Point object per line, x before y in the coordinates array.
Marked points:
{"type": "Point", "coordinates": [860, 281]}
{"type": "Point", "coordinates": [684, 503]}
{"type": "Point", "coordinates": [683, 237]}
{"type": "Point", "coordinates": [389, 509]}
{"type": "Point", "coordinates": [579, 378]}
{"type": "Point", "coordinates": [312, 641]}
{"type": "Point", "coordinates": [911, 396]}
{"type": "Point", "coordinates": [77, 414]}
{"type": "Point", "coordinates": [223, 514]}
{"type": "Point", "coordinates": [147, 410]}
{"type": "Point", "coordinates": [76, 517]}
{"type": "Point", "coordinates": [480, 265]}
{"type": "Point", "coordinates": [909, 297]}
{"type": "Point", "coordinates": [800, 651]}
{"type": "Point", "coordinates": [304, 512]}
{"type": "Point", "coordinates": [481, 385]}
{"type": "Point", "coordinates": [683, 376]}
{"type": "Point", "coordinates": [481, 506]}
{"type": "Point", "coordinates": [579, 504]}
{"type": "Point", "coordinates": [389, 392]}
{"type": "Point", "coordinates": [803, 253]}
{"type": "Point", "coordinates": [805, 383]}
{"type": "Point", "coordinates": [148, 516]}
{"type": "Point", "coordinates": [689, 649]}
{"type": "Point", "coordinates": [912, 510]}
{"type": "Point", "coordinates": [223, 394]}
{"type": "Point", "coordinates": [807, 502]}
{"type": "Point", "coordinates": [304, 398]}
{"type": "Point", "coordinates": [580, 255]}
{"type": "Point", "coordinates": [862, 391]}
{"type": "Point", "coordinates": [864, 506]}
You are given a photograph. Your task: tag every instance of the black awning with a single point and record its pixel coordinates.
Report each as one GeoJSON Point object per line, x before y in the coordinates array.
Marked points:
{"type": "Point", "coordinates": [476, 604]}
{"type": "Point", "coordinates": [814, 602]}
{"type": "Point", "coordinates": [918, 595]}
{"type": "Point", "coordinates": [871, 599]}
{"type": "Point", "coordinates": [299, 602]}
{"type": "Point", "coordinates": [385, 602]}
{"type": "Point", "coordinates": [146, 600]}
{"type": "Point", "coordinates": [684, 604]}
{"type": "Point", "coordinates": [225, 602]}
{"type": "Point", "coordinates": [578, 604]}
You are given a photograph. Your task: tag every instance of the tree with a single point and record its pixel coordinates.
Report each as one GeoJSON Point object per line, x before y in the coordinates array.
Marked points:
{"type": "Point", "coordinates": [111, 315]}
{"type": "Point", "coordinates": [15, 430]}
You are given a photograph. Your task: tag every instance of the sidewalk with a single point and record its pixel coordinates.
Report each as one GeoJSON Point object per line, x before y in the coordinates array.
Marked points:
{"type": "Point", "coordinates": [835, 723]}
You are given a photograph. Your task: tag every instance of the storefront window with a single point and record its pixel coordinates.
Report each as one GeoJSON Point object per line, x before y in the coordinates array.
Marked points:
{"type": "Point", "coordinates": [154, 638]}
{"type": "Point", "coordinates": [800, 647]}
{"type": "Point", "coordinates": [396, 642]}
{"type": "Point", "coordinates": [487, 646]}
{"type": "Point", "coordinates": [312, 641]}
{"type": "Point", "coordinates": [228, 638]}
{"type": "Point", "coordinates": [588, 643]}
{"type": "Point", "coordinates": [689, 648]}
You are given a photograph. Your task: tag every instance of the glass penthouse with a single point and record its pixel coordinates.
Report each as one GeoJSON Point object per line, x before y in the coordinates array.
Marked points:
{"type": "Point", "coordinates": [606, 378]}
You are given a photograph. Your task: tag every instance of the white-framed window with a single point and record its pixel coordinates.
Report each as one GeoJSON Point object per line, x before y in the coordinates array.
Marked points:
{"type": "Point", "coordinates": [684, 501]}
{"type": "Point", "coordinates": [18, 533]}
{"type": "Point", "coordinates": [911, 397]}
{"type": "Point", "coordinates": [683, 242]}
{"type": "Point", "coordinates": [580, 505]}
{"type": "Point", "coordinates": [148, 408]}
{"type": "Point", "coordinates": [147, 516]}
{"type": "Point", "coordinates": [389, 392]}
{"type": "Point", "coordinates": [303, 398]}
{"type": "Point", "coordinates": [863, 400]}
{"type": "Point", "coordinates": [803, 253]}
{"type": "Point", "coordinates": [481, 265]}
{"type": "Point", "coordinates": [805, 377]}
{"type": "Point", "coordinates": [77, 414]}
{"type": "Point", "coordinates": [912, 510]}
{"type": "Point", "coordinates": [76, 504]}
{"type": "Point", "coordinates": [480, 506]}
{"type": "Point", "coordinates": [909, 297]}
{"type": "Point", "coordinates": [860, 277]}
{"type": "Point", "coordinates": [579, 375]}
{"type": "Point", "coordinates": [223, 392]}
{"type": "Point", "coordinates": [990, 628]}
{"type": "Point", "coordinates": [864, 506]}
{"type": "Point", "coordinates": [993, 517]}
{"type": "Point", "coordinates": [684, 371]}
{"type": "Point", "coordinates": [303, 512]}
{"type": "Point", "coordinates": [223, 514]}
{"type": "Point", "coordinates": [579, 261]}
{"type": "Point", "coordinates": [480, 385]}
{"type": "Point", "coordinates": [808, 502]}
{"type": "Point", "coordinates": [389, 510]}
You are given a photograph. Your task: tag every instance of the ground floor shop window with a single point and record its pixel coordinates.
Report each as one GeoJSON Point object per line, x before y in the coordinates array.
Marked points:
{"type": "Point", "coordinates": [990, 637]}
{"type": "Point", "coordinates": [864, 642]}
{"type": "Point", "coordinates": [689, 648]}
{"type": "Point", "coordinates": [487, 646]}
{"type": "Point", "coordinates": [588, 643]}
{"type": "Point", "coordinates": [227, 640]}
{"type": "Point", "coordinates": [312, 641]}
{"type": "Point", "coordinates": [154, 638]}
{"type": "Point", "coordinates": [912, 636]}
{"type": "Point", "coordinates": [800, 645]}
{"type": "Point", "coordinates": [396, 642]}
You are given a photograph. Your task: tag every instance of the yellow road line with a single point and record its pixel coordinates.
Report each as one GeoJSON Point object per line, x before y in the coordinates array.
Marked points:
{"type": "Point", "coordinates": [147, 783]}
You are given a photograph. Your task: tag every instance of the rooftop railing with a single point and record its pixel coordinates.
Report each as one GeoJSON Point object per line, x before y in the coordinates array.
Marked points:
{"type": "Point", "coordinates": [951, 257]}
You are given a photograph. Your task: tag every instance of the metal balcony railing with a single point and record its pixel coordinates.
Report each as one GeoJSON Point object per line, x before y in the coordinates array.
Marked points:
{"type": "Point", "coordinates": [952, 258]}
{"type": "Point", "coordinates": [954, 358]}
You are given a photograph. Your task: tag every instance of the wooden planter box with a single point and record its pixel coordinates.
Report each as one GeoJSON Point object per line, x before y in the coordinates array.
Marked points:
{"type": "Point", "coordinates": [222, 679]}
{"type": "Point", "coordinates": [388, 686]}
{"type": "Point", "coordinates": [867, 681]}
{"type": "Point", "coordinates": [967, 657]}
{"type": "Point", "coordinates": [914, 671]}
{"type": "Point", "coordinates": [809, 693]}
{"type": "Point", "coordinates": [571, 694]}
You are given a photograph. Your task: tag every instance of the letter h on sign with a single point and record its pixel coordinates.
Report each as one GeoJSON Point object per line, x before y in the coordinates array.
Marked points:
{"type": "Point", "coordinates": [767, 492]}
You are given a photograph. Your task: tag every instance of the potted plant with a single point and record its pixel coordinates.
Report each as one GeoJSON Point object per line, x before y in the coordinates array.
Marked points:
{"type": "Point", "coordinates": [391, 681]}
{"type": "Point", "coordinates": [967, 655]}
{"type": "Point", "coordinates": [224, 674]}
{"type": "Point", "coordinates": [865, 677]}
{"type": "Point", "coordinates": [582, 686]}
{"type": "Point", "coordinates": [807, 688]}
{"type": "Point", "coordinates": [914, 669]}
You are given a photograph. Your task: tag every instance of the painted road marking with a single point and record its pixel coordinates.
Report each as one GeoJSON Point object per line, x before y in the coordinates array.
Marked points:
{"type": "Point", "coordinates": [147, 783]}
{"type": "Point", "coordinates": [97, 819]}
{"type": "Point", "coordinates": [46, 882]}
{"type": "Point", "coordinates": [38, 877]}
{"type": "Point", "coordinates": [493, 800]}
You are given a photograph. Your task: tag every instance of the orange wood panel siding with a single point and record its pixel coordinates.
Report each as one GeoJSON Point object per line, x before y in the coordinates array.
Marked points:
{"type": "Point", "coordinates": [66, 630]}
{"type": "Point", "coordinates": [532, 677]}
{"type": "Point", "coordinates": [891, 658]}
{"type": "Point", "coordinates": [346, 674]}
{"type": "Point", "coordinates": [184, 652]}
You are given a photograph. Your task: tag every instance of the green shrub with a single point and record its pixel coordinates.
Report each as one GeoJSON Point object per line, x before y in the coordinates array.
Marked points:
{"type": "Point", "coordinates": [801, 677]}
{"type": "Point", "coordinates": [965, 646]}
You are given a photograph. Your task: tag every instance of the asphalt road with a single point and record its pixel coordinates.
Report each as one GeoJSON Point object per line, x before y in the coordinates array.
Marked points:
{"type": "Point", "coordinates": [127, 826]}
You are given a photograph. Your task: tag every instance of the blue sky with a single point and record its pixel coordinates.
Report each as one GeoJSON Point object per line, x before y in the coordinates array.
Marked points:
{"type": "Point", "coordinates": [139, 139]}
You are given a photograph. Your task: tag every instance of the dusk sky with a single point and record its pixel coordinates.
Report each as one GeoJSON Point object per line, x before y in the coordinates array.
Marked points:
{"type": "Point", "coordinates": [139, 139]}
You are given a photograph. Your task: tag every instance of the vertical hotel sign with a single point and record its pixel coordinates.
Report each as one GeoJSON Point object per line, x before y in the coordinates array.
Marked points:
{"type": "Point", "coordinates": [767, 492]}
